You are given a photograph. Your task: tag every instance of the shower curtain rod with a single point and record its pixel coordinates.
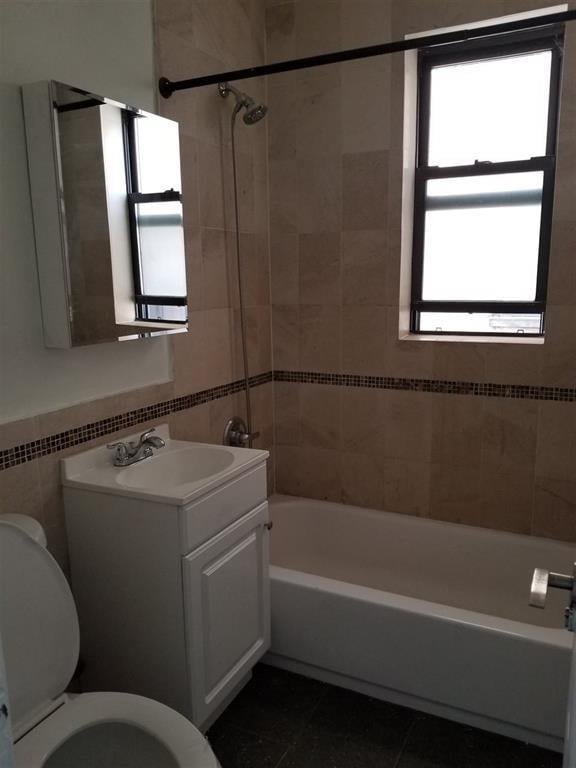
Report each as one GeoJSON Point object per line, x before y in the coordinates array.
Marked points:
{"type": "Point", "coordinates": [168, 87]}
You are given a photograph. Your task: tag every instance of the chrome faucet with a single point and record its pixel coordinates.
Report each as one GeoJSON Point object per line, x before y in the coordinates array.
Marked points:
{"type": "Point", "coordinates": [126, 454]}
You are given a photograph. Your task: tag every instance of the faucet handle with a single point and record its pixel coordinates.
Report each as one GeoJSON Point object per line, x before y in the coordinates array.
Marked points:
{"type": "Point", "coordinates": [146, 434]}
{"type": "Point", "coordinates": [120, 449]}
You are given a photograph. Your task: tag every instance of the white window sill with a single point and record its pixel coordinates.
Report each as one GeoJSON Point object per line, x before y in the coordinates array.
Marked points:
{"type": "Point", "coordinates": [474, 339]}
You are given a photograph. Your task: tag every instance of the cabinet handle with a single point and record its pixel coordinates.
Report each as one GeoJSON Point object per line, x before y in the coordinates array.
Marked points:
{"type": "Point", "coordinates": [268, 526]}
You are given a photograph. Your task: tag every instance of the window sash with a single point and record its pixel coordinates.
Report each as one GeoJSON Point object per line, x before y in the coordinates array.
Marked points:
{"type": "Point", "coordinates": [475, 51]}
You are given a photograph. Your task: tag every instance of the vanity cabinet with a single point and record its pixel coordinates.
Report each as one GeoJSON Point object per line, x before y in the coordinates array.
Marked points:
{"type": "Point", "coordinates": [173, 600]}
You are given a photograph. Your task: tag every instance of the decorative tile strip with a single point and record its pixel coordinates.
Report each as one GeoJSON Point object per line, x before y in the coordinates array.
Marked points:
{"type": "Point", "coordinates": [474, 388]}
{"type": "Point", "coordinates": [20, 454]}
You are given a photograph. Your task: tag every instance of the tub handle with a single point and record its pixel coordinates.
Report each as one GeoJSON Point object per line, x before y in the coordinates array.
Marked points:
{"type": "Point", "coordinates": [543, 579]}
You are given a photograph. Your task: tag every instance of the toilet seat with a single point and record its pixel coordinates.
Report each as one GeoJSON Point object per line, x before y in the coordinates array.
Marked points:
{"type": "Point", "coordinates": [186, 744]}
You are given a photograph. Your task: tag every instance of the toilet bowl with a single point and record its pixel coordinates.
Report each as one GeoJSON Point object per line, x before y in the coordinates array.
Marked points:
{"type": "Point", "coordinates": [52, 729]}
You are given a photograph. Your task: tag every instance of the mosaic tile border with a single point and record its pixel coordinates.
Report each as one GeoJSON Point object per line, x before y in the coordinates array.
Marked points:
{"type": "Point", "coordinates": [20, 454]}
{"type": "Point", "coordinates": [477, 389]}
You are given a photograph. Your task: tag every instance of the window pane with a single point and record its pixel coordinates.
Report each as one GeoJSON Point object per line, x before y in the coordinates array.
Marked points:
{"type": "Point", "coordinates": [166, 313]}
{"type": "Point", "coordinates": [480, 322]}
{"type": "Point", "coordinates": [480, 248]}
{"type": "Point", "coordinates": [494, 109]}
{"type": "Point", "coordinates": [161, 240]}
{"type": "Point", "coordinates": [157, 154]}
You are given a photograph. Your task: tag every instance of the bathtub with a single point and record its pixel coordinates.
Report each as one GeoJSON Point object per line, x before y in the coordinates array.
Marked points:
{"type": "Point", "coordinates": [421, 613]}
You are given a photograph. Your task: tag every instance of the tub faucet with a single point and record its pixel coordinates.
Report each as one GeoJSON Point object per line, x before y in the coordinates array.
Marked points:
{"type": "Point", "coordinates": [126, 454]}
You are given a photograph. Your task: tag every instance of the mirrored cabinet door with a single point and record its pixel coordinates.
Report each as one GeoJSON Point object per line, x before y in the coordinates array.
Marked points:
{"type": "Point", "coordinates": [107, 202]}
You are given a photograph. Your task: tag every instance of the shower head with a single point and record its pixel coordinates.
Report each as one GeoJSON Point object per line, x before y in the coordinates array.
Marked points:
{"type": "Point", "coordinates": [254, 112]}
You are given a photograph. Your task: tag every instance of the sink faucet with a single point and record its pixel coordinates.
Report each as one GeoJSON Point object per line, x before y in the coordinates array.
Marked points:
{"type": "Point", "coordinates": [129, 453]}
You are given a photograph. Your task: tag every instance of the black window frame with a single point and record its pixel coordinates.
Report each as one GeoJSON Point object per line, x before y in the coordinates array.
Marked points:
{"type": "Point", "coordinates": [550, 38]}
{"type": "Point", "coordinates": [143, 301]}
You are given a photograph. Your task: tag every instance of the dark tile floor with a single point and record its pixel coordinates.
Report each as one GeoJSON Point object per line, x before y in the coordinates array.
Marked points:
{"type": "Point", "coordinates": [288, 721]}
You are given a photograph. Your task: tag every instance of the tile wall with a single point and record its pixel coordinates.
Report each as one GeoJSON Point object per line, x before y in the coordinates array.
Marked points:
{"type": "Point", "coordinates": [335, 150]}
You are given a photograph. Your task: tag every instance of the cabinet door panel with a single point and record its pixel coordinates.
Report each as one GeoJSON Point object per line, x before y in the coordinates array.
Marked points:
{"type": "Point", "coordinates": [227, 610]}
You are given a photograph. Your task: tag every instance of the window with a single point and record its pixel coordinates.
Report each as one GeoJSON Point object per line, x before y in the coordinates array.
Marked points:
{"type": "Point", "coordinates": [155, 213]}
{"type": "Point", "coordinates": [487, 117]}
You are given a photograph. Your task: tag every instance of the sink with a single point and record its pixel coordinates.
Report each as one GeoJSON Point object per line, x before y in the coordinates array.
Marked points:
{"type": "Point", "coordinates": [179, 473]}
{"type": "Point", "coordinates": [177, 468]}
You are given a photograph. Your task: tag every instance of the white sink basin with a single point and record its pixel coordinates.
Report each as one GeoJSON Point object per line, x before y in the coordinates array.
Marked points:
{"type": "Point", "coordinates": [177, 468]}
{"type": "Point", "coordinates": [176, 474]}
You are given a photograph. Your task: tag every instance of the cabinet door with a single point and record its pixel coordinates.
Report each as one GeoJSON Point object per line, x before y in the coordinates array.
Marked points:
{"type": "Point", "coordinates": [227, 608]}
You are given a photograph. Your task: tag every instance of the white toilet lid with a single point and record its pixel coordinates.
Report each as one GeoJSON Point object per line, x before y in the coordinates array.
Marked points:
{"type": "Point", "coordinates": [38, 624]}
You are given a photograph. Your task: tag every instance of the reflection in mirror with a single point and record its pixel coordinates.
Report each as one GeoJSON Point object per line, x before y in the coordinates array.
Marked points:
{"type": "Point", "coordinates": [106, 192]}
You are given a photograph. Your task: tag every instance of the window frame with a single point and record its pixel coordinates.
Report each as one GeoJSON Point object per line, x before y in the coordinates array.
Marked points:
{"type": "Point", "coordinates": [551, 39]}
{"type": "Point", "coordinates": [142, 300]}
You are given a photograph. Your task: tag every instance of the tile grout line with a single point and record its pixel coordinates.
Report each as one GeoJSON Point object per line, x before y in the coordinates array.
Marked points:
{"type": "Point", "coordinates": [305, 724]}
{"type": "Point", "coordinates": [405, 741]}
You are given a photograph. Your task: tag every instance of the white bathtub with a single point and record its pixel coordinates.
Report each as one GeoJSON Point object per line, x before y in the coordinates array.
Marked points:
{"type": "Point", "coordinates": [431, 615]}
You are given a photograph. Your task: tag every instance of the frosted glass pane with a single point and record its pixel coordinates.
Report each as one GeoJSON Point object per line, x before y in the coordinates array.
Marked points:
{"type": "Point", "coordinates": [480, 322]}
{"type": "Point", "coordinates": [478, 185]}
{"type": "Point", "coordinates": [158, 154]}
{"type": "Point", "coordinates": [483, 252]}
{"type": "Point", "coordinates": [496, 109]}
{"type": "Point", "coordinates": [161, 240]}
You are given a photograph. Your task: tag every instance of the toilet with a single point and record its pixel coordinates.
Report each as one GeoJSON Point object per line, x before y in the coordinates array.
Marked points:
{"type": "Point", "coordinates": [41, 640]}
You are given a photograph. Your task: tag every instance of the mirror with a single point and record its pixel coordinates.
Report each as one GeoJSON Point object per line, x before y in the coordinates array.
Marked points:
{"type": "Point", "coordinates": [106, 194]}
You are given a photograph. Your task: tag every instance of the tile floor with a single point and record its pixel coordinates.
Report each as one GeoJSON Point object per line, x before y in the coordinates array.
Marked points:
{"type": "Point", "coordinates": [282, 720]}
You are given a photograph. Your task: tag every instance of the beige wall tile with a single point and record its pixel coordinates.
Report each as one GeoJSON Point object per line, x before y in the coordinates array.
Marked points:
{"type": "Point", "coordinates": [319, 473]}
{"type": "Point", "coordinates": [319, 193]}
{"type": "Point", "coordinates": [457, 429]}
{"type": "Point", "coordinates": [507, 500]}
{"type": "Point", "coordinates": [286, 413]}
{"type": "Point", "coordinates": [456, 361]}
{"type": "Point", "coordinates": [509, 434]}
{"type": "Point", "coordinates": [363, 421]}
{"type": "Point", "coordinates": [392, 485]}
{"type": "Point", "coordinates": [218, 269]}
{"type": "Point", "coordinates": [365, 118]}
{"type": "Point", "coordinates": [317, 27]}
{"type": "Point", "coordinates": [320, 338]}
{"type": "Point", "coordinates": [559, 356]}
{"type": "Point", "coordinates": [513, 363]}
{"type": "Point", "coordinates": [189, 357]}
{"type": "Point", "coordinates": [556, 442]}
{"type": "Point", "coordinates": [555, 509]}
{"type": "Point", "coordinates": [284, 268]}
{"type": "Point", "coordinates": [363, 482]}
{"type": "Point", "coordinates": [20, 491]}
{"type": "Point", "coordinates": [407, 421]}
{"type": "Point", "coordinates": [280, 22]}
{"type": "Point", "coordinates": [365, 190]}
{"type": "Point", "coordinates": [562, 267]}
{"type": "Point", "coordinates": [192, 424]}
{"type": "Point", "coordinates": [319, 268]}
{"type": "Point", "coordinates": [368, 273]}
{"type": "Point", "coordinates": [320, 416]}
{"type": "Point", "coordinates": [407, 486]}
{"type": "Point", "coordinates": [456, 493]}
{"type": "Point", "coordinates": [18, 432]}
{"type": "Point", "coordinates": [364, 339]}
{"type": "Point", "coordinates": [286, 337]}
{"type": "Point", "coordinates": [310, 472]}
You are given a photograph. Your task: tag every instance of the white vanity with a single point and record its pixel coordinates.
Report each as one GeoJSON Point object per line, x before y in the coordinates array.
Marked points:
{"type": "Point", "coordinates": [169, 561]}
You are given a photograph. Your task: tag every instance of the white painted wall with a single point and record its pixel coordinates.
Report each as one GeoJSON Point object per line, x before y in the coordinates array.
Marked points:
{"type": "Point", "coordinates": [105, 46]}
